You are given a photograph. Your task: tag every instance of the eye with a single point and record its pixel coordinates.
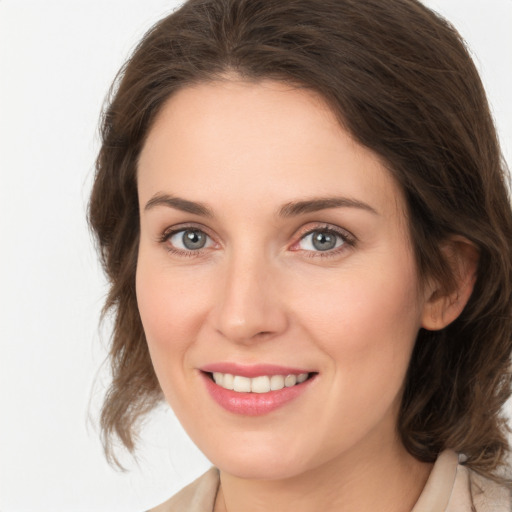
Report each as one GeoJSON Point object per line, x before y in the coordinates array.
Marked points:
{"type": "Point", "coordinates": [321, 240]}
{"type": "Point", "coordinates": [189, 240]}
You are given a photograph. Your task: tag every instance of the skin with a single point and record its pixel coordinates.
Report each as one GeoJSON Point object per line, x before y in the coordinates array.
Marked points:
{"type": "Point", "coordinates": [259, 292]}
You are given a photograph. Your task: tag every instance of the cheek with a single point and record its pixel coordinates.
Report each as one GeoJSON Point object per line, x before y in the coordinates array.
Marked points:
{"type": "Point", "coordinates": [366, 321]}
{"type": "Point", "coordinates": [362, 303]}
{"type": "Point", "coordinates": [172, 307]}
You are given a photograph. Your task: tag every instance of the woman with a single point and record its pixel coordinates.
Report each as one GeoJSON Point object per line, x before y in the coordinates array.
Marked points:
{"type": "Point", "coordinates": [302, 210]}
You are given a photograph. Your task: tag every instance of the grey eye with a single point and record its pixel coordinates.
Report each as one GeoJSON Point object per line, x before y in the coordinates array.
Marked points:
{"type": "Point", "coordinates": [321, 240]}
{"type": "Point", "coordinates": [194, 239]}
{"type": "Point", "coordinates": [190, 240]}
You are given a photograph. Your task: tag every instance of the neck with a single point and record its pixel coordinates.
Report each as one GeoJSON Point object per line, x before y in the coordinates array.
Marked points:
{"type": "Point", "coordinates": [384, 477]}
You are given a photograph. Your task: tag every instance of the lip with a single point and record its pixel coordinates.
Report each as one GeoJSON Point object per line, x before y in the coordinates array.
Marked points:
{"type": "Point", "coordinates": [253, 370]}
{"type": "Point", "coordinates": [253, 404]}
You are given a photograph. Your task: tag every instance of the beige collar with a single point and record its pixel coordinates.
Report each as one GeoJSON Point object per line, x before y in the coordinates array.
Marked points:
{"type": "Point", "coordinates": [449, 488]}
{"type": "Point", "coordinates": [438, 489]}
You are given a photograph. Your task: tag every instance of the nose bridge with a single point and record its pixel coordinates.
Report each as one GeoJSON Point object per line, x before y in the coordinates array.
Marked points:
{"type": "Point", "coordinates": [249, 305]}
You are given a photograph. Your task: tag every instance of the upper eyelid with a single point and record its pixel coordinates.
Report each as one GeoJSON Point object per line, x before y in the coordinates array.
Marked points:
{"type": "Point", "coordinates": [172, 230]}
{"type": "Point", "coordinates": [324, 226]}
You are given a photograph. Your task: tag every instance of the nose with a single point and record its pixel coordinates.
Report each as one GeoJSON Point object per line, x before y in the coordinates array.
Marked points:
{"type": "Point", "coordinates": [249, 306]}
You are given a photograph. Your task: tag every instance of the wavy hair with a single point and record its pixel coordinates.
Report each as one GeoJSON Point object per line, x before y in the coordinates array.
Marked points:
{"type": "Point", "coordinates": [401, 81]}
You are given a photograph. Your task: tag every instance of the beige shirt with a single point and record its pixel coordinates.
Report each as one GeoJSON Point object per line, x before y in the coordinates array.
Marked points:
{"type": "Point", "coordinates": [450, 487]}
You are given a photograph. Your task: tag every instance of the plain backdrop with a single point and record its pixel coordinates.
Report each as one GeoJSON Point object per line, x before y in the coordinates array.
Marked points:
{"type": "Point", "coordinates": [57, 60]}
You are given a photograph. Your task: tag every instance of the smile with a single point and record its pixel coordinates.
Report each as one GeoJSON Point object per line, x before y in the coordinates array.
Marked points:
{"type": "Point", "coordinates": [260, 384]}
{"type": "Point", "coordinates": [260, 389]}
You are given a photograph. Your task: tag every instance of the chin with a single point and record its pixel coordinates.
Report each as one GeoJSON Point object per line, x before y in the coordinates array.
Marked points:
{"type": "Point", "coordinates": [259, 469]}
{"type": "Point", "coordinates": [259, 462]}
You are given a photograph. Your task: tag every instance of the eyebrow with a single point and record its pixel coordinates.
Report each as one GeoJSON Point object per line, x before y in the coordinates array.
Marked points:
{"type": "Point", "coordinates": [178, 204]}
{"type": "Point", "coordinates": [291, 209]}
{"type": "Point", "coordinates": [322, 203]}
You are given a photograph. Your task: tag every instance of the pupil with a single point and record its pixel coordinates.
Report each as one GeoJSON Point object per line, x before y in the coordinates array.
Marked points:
{"type": "Point", "coordinates": [194, 239]}
{"type": "Point", "coordinates": [323, 241]}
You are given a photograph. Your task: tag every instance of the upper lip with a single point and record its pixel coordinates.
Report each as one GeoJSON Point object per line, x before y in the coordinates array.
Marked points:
{"type": "Point", "coordinates": [252, 370]}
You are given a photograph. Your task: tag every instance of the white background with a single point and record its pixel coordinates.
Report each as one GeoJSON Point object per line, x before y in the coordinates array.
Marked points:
{"type": "Point", "coordinates": [57, 59]}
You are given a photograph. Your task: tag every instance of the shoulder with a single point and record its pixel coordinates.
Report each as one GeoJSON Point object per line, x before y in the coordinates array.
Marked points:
{"type": "Point", "coordinates": [474, 492]}
{"type": "Point", "coordinates": [453, 487]}
{"type": "Point", "coordinates": [489, 496]}
{"type": "Point", "coordinates": [199, 496]}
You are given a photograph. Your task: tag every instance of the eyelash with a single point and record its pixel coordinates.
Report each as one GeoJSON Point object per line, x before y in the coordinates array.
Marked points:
{"type": "Point", "coordinates": [169, 233]}
{"type": "Point", "coordinates": [348, 240]}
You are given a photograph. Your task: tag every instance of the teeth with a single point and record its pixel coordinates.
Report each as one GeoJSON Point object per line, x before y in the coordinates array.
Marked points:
{"type": "Point", "coordinates": [261, 384]}
{"type": "Point", "coordinates": [241, 384]}
{"type": "Point", "coordinates": [290, 381]}
{"type": "Point", "coordinates": [218, 378]}
{"type": "Point", "coordinates": [302, 377]}
{"type": "Point", "coordinates": [276, 382]}
{"type": "Point", "coordinates": [228, 381]}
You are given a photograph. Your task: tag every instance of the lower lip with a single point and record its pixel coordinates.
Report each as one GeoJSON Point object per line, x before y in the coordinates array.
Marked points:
{"type": "Point", "coordinates": [253, 404]}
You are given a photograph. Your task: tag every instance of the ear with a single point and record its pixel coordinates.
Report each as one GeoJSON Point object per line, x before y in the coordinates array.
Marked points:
{"type": "Point", "coordinates": [443, 306]}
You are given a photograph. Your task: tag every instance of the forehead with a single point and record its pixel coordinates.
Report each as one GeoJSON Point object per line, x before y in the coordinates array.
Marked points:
{"type": "Point", "coordinates": [254, 144]}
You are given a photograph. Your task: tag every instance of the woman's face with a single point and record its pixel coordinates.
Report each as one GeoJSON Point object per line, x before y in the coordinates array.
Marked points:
{"type": "Point", "coordinates": [274, 246]}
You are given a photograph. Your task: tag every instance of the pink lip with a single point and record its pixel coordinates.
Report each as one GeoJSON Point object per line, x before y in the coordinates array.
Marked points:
{"type": "Point", "coordinates": [253, 404]}
{"type": "Point", "coordinates": [250, 371]}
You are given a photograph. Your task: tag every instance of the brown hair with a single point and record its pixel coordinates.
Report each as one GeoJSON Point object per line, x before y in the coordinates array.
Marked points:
{"type": "Point", "coordinates": [403, 84]}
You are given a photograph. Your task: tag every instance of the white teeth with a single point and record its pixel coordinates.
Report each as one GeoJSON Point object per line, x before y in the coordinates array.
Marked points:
{"type": "Point", "coordinates": [290, 381]}
{"type": "Point", "coordinates": [228, 381]}
{"type": "Point", "coordinates": [241, 384]}
{"type": "Point", "coordinates": [276, 382]}
{"type": "Point", "coordinates": [261, 384]}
